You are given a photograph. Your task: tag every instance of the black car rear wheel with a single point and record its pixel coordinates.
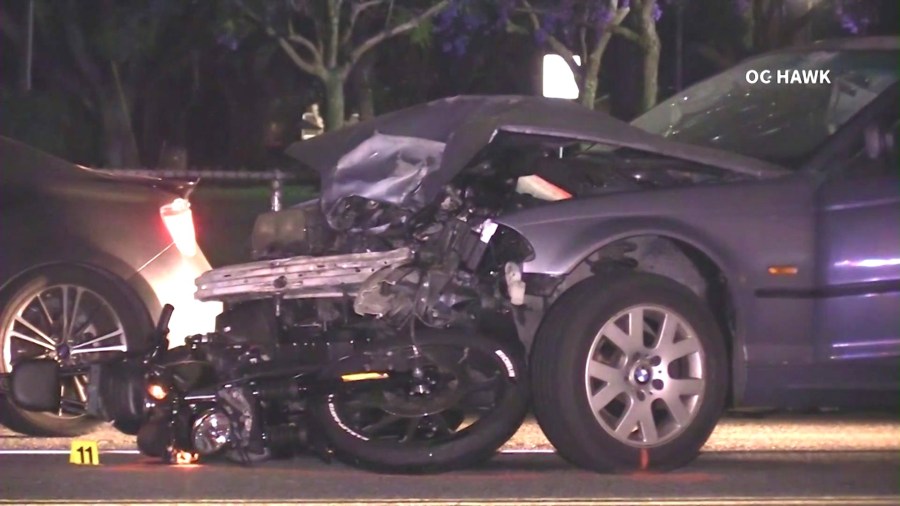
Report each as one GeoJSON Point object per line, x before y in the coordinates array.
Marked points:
{"type": "Point", "coordinates": [629, 372]}
{"type": "Point", "coordinates": [73, 315]}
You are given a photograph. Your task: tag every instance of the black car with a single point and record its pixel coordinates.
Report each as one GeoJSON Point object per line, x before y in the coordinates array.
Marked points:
{"type": "Point", "coordinates": [86, 262]}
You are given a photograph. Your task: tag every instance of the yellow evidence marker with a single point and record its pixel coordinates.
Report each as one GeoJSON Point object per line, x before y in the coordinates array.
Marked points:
{"type": "Point", "coordinates": [84, 453]}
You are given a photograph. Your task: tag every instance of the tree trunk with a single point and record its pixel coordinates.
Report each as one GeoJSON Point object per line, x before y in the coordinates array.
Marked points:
{"type": "Point", "coordinates": [334, 100]}
{"type": "Point", "coordinates": [589, 90]}
{"type": "Point", "coordinates": [651, 47]}
{"type": "Point", "coordinates": [362, 88]}
{"type": "Point", "coordinates": [537, 72]}
{"type": "Point", "coordinates": [591, 75]}
{"type": "Point", "coordinates": [119, 145]}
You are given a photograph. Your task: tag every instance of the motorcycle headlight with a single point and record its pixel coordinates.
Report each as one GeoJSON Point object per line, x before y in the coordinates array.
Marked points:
{"type": "Point", "coordinates": [211, 432]}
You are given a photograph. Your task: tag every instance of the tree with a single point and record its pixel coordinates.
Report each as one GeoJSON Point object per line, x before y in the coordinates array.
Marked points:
{"type": "Point", "coordinates": [570, 28]}
{"type": "Point", "coordinates": [106, 54]}
{"type": "Point", "coordinates": [765, 25]}
{"type": "Point", "coordinates": [645, 36]}
{"type": "Point", "coordinates": [328, 39]}
{"type": "Point", "coordinates": [578, 27]}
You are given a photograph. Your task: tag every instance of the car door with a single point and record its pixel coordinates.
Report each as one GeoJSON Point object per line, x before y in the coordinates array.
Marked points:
{"type": "Point", "coordinates": [857, 297]}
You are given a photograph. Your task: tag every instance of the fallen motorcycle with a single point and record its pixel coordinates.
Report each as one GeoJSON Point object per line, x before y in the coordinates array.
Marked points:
{"type": "Point", "coordinates": [430, 402]}
{"type": "Point", "coordinates": [392, 350]}
{"type": "Point", "coordinates": [375, 324]}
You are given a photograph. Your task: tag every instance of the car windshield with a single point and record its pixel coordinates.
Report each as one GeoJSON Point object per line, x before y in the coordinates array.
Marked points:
{"type": "Point", "coordinates": [780, 122]}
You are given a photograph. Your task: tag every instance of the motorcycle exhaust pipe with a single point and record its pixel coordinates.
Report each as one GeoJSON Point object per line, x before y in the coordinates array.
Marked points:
{"type": "Point", "coordinates": [287, 439]}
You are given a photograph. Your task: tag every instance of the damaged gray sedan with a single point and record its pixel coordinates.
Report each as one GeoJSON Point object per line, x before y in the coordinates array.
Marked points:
{"type": "Point", "coordinates": [736, 246]}
{"type": "Point", "coordinates": [647, 281]}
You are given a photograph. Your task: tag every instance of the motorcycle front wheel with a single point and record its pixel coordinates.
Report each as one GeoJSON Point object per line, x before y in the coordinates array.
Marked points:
{"type": "Point", "coordinates": [465, 396]}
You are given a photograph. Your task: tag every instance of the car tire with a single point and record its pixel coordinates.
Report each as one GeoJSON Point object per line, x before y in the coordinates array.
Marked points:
{"type": "Point", "coordinates": [98, 304]}
{"type": "Point", "coordinates": [611, 401]}
{"type": "Point", "coordinates": [467, 447]}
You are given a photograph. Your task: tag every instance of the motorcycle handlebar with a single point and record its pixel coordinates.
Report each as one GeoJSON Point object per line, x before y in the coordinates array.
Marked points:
{"type": "Point", "coordinates": [161, 333]}
{"type": "Point", "coordinates": [162, 326]}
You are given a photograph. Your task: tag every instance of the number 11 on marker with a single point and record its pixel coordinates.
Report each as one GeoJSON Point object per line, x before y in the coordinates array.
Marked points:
{"type": "Point", "coordinates": [84, 453]}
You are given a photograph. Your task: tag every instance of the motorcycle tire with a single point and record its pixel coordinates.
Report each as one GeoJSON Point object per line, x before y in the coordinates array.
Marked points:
{"type": "Point", "coordinates": [472, 444]}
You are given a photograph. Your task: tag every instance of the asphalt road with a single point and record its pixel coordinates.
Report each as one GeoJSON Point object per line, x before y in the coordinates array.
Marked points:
{"type": "Point", "coordinates": [775, 460]}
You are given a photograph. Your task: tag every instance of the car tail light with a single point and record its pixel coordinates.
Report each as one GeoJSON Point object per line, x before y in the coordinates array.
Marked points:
{"type": "Point", "coordinates": [179, 221]}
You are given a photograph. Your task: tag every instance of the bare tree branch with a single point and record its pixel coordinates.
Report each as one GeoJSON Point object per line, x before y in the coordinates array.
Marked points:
{"type": "Point", "coordinates": [334, 32]}
{"type": "Point", "coordinates": [645, 7]}
{"type": "Point", "coordinates": [556, 45]}
{"type": "Point", "coordinates": [319, 31]}
{"type": "Point", "coordinates": [582, 35]}
{"type": "Point", "coordinates": [312, 66]}
{"type": "Point", "coordinates": [626, 33]}
{"type": "Point", "coordinates": [615, 27]}
{"type": "Point", "coordinates": [357, 10]}
{"type": "Point", "coordinates": [592, 63]}
{"type": "Point", "coordinates": [306, 66]}
{"type": "Point", "coordinates": [298, 39]}
{"type": "Point", "coordinates": [373, 41]}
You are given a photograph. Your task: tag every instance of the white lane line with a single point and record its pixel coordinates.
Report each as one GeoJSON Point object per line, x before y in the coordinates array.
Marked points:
{"type": "Point", "coordinates": [63, 452]}
{"type": "Point", "coordinates": [611, 501]}
{"type": "Point", "coordinates": [135, 452]}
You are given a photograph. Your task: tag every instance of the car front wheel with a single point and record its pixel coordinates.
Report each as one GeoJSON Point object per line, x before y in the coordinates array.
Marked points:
{"type": "Point", "coordinates": [629, 372]}
{"type": "Point", "coordinates": [75, 316]}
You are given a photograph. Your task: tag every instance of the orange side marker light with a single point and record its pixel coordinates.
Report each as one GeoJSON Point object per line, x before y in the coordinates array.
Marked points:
{"type": "Point", "coordinates": [783, 270]}
{"type": "Point", "coordinates": [157, 391]}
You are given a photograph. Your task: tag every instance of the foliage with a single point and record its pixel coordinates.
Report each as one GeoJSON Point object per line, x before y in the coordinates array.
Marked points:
{"type": "Point", "coordinates": [48, 121]}
{"type": "Point", "coordinates": [328, 38]}
{"type": "Point", "coordinates": [577, 30]}
{"type": "Point", "coordinates": [108, 55]}
{"type": "Point", "coordinates": [854, 16]}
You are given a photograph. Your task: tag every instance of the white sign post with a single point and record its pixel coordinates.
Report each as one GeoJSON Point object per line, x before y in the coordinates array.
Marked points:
{"type": "Point", "coordinates": [558, 79]}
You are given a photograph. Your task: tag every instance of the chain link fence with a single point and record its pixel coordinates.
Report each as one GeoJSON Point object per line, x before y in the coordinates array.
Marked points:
{"type": "Point", "coordinates": [227, 202]}
{"type": "Point", "coordinates": [275, 178]}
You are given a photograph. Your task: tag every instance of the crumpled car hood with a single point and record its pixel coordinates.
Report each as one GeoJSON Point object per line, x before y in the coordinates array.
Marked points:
{"type": "Point", "coordinates": [405, 157]}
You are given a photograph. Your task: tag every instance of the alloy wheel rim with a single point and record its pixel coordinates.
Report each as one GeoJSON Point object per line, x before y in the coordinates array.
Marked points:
{"type": "Point", "coordinates": [67, 323]}
{"type": "Point", "coordinates": [645, 375]}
